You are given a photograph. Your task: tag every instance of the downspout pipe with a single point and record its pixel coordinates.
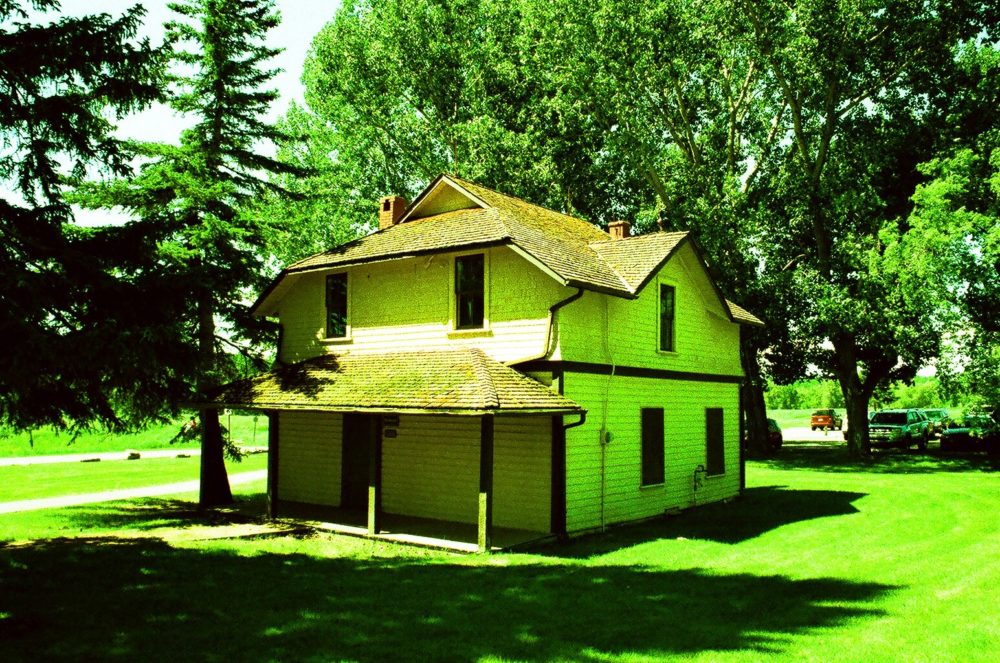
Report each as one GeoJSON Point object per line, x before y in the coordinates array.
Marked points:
{"type": "Point", "coordinates": [581, 421]}
{"type": "Point", "coordinates": [550, 323]}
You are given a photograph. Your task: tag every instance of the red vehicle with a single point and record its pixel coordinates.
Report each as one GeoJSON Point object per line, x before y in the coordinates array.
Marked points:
{"type": "Point", "coordinates": [826, 420]}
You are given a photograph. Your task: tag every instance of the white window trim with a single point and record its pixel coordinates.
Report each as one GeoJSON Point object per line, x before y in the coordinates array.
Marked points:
{"type": "Point", "coordinates": [348, 329]}
{"type": "Point", "coordinates": [453, 330]}
{"type": "Point", "coordinates": [673, 284]}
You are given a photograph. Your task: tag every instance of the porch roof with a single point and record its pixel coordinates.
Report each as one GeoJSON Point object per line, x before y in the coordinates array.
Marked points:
{"type": "Point", "coordinates": [463, 382]}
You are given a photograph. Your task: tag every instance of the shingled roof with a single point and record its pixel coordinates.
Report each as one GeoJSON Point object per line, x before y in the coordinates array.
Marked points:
{"type": "Point", "coordinates": [573, 251]}
{"type": "Point", "coordinates": [463, 381]}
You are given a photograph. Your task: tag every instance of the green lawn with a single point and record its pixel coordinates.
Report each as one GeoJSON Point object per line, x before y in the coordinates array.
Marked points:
{"type": "Point", "coordinates": [821, 560]}
{"type": "Point", "coordinates": [794, 418]}
{"type": "Point", "coordinates": [45, 441]}
{"type": "Point", "coordinates": [27, 482]}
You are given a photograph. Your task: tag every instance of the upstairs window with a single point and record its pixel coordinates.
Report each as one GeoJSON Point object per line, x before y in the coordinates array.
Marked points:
{"type": "Point", "coordinates": [667, 318]}
{"type": "Point", "coordinates": [469, 291]}
{"type": "Point", "coordinates": [336, 306]}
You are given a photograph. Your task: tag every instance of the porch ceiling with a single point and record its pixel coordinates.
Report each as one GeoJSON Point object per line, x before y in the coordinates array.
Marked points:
{"type": "Point", "coordinates": [462, 382]}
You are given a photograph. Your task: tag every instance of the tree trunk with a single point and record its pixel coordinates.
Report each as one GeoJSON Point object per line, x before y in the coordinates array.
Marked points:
{"type": "Point", "coordinates": [856, 401]}
{"type": "Point", "coordinates": [856, 396]}
{"type": "Point", "coordinates": [215, 489]}
{"type": "Point", "coordinates": [214, 486]}
{"type": "Point", "coordinates": [754, 410]}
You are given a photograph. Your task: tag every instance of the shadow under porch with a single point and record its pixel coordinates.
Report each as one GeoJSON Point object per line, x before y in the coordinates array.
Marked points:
{"type": "Point", "coordinates": [414, 530]}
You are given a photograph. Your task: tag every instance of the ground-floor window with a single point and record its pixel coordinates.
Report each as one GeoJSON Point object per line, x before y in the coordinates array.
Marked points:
{"type": "Point", "coordinates": [715, 458]}
{"type": "Point", "coordinates": [652, 446]}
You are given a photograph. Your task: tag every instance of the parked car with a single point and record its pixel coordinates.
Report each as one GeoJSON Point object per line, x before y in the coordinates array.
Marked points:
{"type": "Point", "coordinates": [774, 434]}
{"type": "Point", "coordinates": [976, 431]}
{"type": "Point", "coordinates": [826, 420]}
{"type": "Point", "coordinates": [939, 419]}
{"type": "Point", "coordinates": [903, 428]}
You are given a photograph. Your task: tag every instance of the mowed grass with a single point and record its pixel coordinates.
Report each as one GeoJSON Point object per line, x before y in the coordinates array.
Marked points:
{"type": "Point", "coordinates": [821, 560]}
{"type": "Point", "coordinates": [796, 418]}
{"type": "Point", "coordinates": [27, 482]}
{"type": "Point", "coordinates": [244, 429]}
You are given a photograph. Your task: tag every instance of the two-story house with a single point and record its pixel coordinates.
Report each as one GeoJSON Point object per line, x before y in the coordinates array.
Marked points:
{"type": "Point", "coordinates": [483, 363]}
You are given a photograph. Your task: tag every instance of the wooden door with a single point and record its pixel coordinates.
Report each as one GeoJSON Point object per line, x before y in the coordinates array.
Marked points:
{"type": "Point", "coordinates": [359, 430]}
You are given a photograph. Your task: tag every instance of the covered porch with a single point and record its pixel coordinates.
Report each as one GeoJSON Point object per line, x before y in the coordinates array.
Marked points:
{"type": "Point", "coordinates": [448, 449]}
{"type": "Point", "coordinates": [411, 530]}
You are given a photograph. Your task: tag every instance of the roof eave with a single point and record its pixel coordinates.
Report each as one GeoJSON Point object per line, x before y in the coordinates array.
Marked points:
{"type": "Point", "coordinates": [460, 412]}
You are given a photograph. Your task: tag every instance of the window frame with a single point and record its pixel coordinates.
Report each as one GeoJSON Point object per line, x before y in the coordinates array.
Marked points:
{"type": "Point", "coordinates": [652, 471]}
{"type": "Point", "coordinates": [659, 318]}
{"type": "Point", "coordinates": [347, 306]}
{"type": "Point", "coordinates": [456, 295]}
{"type": "Point", "coordinates": [715, 459]}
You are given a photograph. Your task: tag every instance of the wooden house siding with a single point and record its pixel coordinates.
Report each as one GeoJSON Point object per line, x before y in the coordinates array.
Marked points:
{"type": "Point", "coordinates": [431, 468]}
{"type": "Point", "coordinates": [615, 403]}
{"type": "Point", "coordinates": [408, 303]}
{"type": "Point", "coordinates": [604, 329]}
{"type": "Point", "coordinates": [310, 459]}
{"type": "Point", "coordinates": [522, 472]}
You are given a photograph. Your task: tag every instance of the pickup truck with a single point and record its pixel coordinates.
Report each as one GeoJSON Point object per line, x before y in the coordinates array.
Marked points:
{"type": "Point", "coordinates": [826, 420]}
{"type": "Point", "coordinates": [902, 428]}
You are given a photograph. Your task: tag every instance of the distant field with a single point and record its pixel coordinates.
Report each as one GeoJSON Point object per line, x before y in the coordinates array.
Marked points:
{"type": "Point", "coordinates": [47, 441]}
{"type": "Point", "coordinates": [28, 482]}
{"type": "Point", "coordinates": [800, 418]}
{"type": "Point", "coordinates": [791, 418]}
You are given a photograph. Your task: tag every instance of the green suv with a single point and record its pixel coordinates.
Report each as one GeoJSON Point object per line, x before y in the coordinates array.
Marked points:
{"type": "Point", "coordinates": [902, 428]}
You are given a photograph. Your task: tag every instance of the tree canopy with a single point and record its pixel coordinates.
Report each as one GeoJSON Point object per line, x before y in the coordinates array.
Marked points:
{"type": "Point", "coordinates": [786, 136]}
{"type": "Point", "coordinates": [74, 296]}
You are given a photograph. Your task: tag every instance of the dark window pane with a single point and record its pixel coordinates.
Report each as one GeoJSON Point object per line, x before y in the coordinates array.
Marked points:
{"type": "Point", "coordinates": [336, 306]}
{"type": "Point", "coordinates": [469, 291]}
{"type": "Point", "coordinates": [715, 457]}
{"type": "Point", "coordinates": [666, 318]}
{"type": "Point", "coordinates": [652, 446]}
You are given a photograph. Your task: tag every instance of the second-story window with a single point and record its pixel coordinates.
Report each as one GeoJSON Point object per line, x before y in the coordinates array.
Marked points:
{"type": "Point", "coordinates": [336, 306]}
{"type": "Point", "coordinates": [667, 318]}
{"type": "Point", "coordinates": [469, 291]}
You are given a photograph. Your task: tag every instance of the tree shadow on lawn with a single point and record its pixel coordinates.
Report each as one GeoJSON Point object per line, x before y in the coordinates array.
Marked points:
{"type": "Point", "coordinates": [73, 599]}
{"type": "Point", "coordinates": [882, 461]}
{"type": "Point", "coordinates": [153, 513]}
{"type": "Point", "coordinates": [758, 511]}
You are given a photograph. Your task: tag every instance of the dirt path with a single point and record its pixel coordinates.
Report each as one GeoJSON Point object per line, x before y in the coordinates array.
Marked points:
{"type": "Point", "coordinates": [123, 494]}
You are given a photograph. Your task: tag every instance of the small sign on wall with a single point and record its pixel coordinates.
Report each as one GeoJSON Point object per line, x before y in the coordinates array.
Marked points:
{"type": "Point", "coordinates": [389, 433]}
{"type": "Point", "coordinates": [390, 420]}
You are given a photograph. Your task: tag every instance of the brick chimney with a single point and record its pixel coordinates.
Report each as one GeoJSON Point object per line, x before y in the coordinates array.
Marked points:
{"type": "Point", "coordinates": [620, 229]}
{"type": "Point", "coordinates": [390, 211]}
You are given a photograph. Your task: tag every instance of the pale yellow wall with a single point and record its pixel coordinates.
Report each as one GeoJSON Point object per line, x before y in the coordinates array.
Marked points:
{"type": "Point", "coordinates": [408, 305]}
{"type": "Point", "coordinates": [431, 468]}
{"type": "Point", "coordinates": [603, 329]}
{"type": "Point", "coordinates": [309, 453]}
{"type": "Point", "coordinates": [522, 472]}
{"type": "Point", "coordinates": [684, 404]}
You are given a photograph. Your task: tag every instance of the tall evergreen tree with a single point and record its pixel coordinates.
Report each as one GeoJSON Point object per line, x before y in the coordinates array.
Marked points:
{"type": "Point", "coordinates": [82, 341]}
{"type": "Point", "coordinates": [190, 195]}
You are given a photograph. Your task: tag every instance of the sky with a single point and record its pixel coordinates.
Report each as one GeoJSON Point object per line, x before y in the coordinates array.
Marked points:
{"type": "Point", "coordinates": [300, 21]}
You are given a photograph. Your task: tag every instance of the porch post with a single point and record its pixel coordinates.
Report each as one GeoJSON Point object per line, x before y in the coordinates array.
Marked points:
{"type": "Point", "coordinates": [375, 476]}
{"type": "Point", "coordinates": [272, 464]}
{"type": "Point", "coordinates": [485, 520]}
